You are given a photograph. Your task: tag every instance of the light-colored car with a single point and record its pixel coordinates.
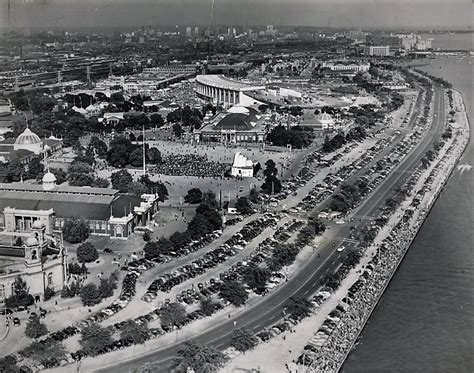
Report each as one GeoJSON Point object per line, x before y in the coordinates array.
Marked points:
{"type": "Point", "coordinates": [341, 248]}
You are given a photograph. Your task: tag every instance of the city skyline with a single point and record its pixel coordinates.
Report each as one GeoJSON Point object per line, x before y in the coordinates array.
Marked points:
{"type": "Point", "coordinates": [347, 14]}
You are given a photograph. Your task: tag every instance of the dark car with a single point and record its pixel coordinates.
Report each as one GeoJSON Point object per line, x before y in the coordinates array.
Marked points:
{"type": "Point", "coordinates": [6, 311]}
{"type": "Point", "coordinates": [16, 321]}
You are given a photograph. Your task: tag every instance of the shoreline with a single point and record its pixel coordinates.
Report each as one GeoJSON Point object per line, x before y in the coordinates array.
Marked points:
{"type": "Point", "coordinates": [424, 212]}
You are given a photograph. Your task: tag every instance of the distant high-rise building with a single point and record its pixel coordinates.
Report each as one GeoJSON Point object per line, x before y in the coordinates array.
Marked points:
{"type": "Point", "coordinates": [270, 31]}
{"type": "Point", "coordinates": [188, 32]}
{"type": "Point", "coordinates": [393, 41]}
{"type": "Point", "coordinates": [196, 31]}
{"type": "Point", "coordinates": [380, 51]}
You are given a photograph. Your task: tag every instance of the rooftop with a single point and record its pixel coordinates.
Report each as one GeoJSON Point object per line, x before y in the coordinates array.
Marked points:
{"type": "Point", "coordinates": [220, 81]}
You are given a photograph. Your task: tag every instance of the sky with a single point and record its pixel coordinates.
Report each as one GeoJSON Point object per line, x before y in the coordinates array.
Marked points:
{"type": "Point", "coordinates": [320, 13]}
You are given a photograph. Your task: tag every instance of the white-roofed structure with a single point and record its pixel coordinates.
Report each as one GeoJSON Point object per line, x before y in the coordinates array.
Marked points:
{"type": "Point", "coordinates": [242, 166]}
{"type": "Point", "coordinates": [322, 122]}
{"type": "Point", "coordinates": [219, 89]}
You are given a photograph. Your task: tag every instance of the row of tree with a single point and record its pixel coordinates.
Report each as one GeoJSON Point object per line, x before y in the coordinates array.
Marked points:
{"type": "Point", "coordinates": [206, 220]}
{"type": "Point", "coordinates": [298, 137]}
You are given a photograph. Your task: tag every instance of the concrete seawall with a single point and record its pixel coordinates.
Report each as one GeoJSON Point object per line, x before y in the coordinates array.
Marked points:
{"type": "Point", "coordinates": [464, 141]}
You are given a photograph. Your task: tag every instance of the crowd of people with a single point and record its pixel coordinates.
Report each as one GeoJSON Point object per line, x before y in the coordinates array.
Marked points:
{"type": "Point", "coordinates": [190, 165]}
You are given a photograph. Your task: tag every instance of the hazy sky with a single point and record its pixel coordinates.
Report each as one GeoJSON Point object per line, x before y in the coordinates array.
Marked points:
{"type": "Point", "coordinates": [321, 13]}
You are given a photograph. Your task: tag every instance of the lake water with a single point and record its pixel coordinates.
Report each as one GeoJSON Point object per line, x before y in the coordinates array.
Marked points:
{"type": "Point", "coordinates": [424, 321]}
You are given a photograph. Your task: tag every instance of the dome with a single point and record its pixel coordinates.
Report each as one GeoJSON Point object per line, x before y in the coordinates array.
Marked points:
{"type": "Point", "coordinates": [325, 118]}
{"type": "Point", "coordinates": [31, 241]}
{"type": "Point", "coordinates": [238, 110]}
{"type": "Point", "coordinates": [37, 225]}
{"type": "Point", "coordinates": [49, 178]}
{"type": "Point", "coordinates": [28, 138]}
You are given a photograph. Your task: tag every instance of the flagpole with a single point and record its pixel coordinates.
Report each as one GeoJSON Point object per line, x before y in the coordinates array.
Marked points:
{"type": "Point", "coordinates": [144, 163]}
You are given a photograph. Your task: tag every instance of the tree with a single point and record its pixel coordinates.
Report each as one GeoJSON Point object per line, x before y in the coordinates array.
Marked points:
{"type": "Point", "coordinates": [43, 352]}
{"type": "Point", "coordinates": [120, 180]}
{"type": "Point", "coordinates": [60, 174]}
{"type": "Point", "coordinates": [271, 184]}
{"type": "Point", "coordinates": [254, 195]}
{"type": "Point", "coordinates": [208, 306]}
{"type": "Point", "coordinates": [331, 281]}
{"type": "Point", "coordinates": [35, 169]}
{"type": "Point", "coordinates": [178, 130]}
{"type": "Point", "coordinates": [233, 292]}
{"type": "Point", "coordinates": [75, 268]}
{"type": "Point", "coordinates": [80, 174]}
{"type": "Point", "coordinates": [209, 200]}
{"type": "Point", "coordinates": [90, 295]}
{"type": "Point", "coordinates": [157, 120]}
{"type": "Point", "coordinates": [71, 291]}
{"type": "Point", "coordinates": [172, 314]}
{"type": "Point", "coordinates": [106, 287]}
{"type": "Point", "coordinates": [15, 170]}
{"type": "Point", "coordinates": [243, 206]}
{"type": "Point", "coordinates": [119, 151]}
{"type": "Point", "coordinates": [20, 296]}
{"type": "Point", "coordinates": [164, 245]}
{"type": "Point", "coordinates": [193, 196]}
{"type": "Point", "coordinates": [352, 258]}
{"type": "Point", "coordinates": [256, 278]}
{"type": "Point", "coordinates": [146, 236]}
{"type": "Point", "coordinates": [154, 187]}
{"type": "Point", "coordinates": [151, 250]}
{"type": "Point", "coordinates": [283, 255]}
{"type": "Point", "coordinates": [99, 147]}
{"type": "Point", "coordinates": [100, 183]}
{"type": "Point", "coordinates": [180, 239]}
{"type": "Point", "coordinates": [243, 340]}
{"type": "Point", "coordinates": [138, 333]}
{"type": "Point", "coordinates": [136, 158]}
{"type": "Point", "coordinates": [136, 188]}
{"type": "Point", "coordinates": [154, 155]}
{"type": "Point", "coordinates": [34, 328]}
{"type": "Point", "coordinates": [94, 337]}
{"type": "Point", "coordinates": [298, 307]}
{"type": "Point", "coordinates": [41, 104]}
{"type": "Point", "coordinates": [6, 365]}
{"type": "Point", "coordinates": [87, 253]}
{"type": "Point", "coordinates": [199, 358]}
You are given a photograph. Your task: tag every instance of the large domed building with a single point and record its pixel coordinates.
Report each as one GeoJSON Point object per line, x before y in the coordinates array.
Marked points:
{"type": "Point", "coordinates": [29, 140]}
{"type": "Point", "coordinates": [27, 145]}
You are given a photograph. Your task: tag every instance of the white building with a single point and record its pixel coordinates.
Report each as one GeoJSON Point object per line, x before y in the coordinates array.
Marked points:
{"type": "Point", "coordinates": [242, 166]}
{"type": "Point", "coordinates": [347, 66]}
{"type": "Point", "coordinates": [380, 51]}
{"type": "Point", "coordinates": [40, 261]}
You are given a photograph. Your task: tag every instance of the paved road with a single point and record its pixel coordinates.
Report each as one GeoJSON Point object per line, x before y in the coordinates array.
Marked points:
{"type": "Point", "coordinates": [308, 279]}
